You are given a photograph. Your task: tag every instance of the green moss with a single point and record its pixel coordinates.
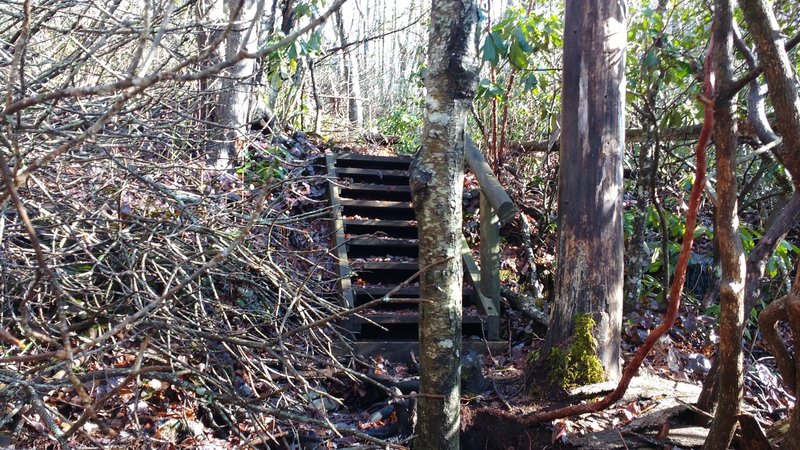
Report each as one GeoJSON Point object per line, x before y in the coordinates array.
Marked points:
{"type": "Point", "coordinates": [580, 365]}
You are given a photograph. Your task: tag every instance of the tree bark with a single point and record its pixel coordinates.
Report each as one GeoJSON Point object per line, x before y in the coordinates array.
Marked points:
{"type": "Point", "coordinates": [589, 274]}
{"type": "Point", "coordinates": [436, 186]}
{"type": "Point", "coordinates": [213, 15]}
{"type": "Point", "coordinates": [237, 87]}
{"type": "Point", "coordinates": [780, 76]}
{"type": "Point", "coordinates": [351, 75]}
{"type": "Point", "coordinates": [732, 278]}
{"type": "Point", "coordinates": [755, 267]}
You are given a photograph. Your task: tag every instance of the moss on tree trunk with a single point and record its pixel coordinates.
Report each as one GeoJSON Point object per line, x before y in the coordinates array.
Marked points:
{"type": "Point", "coordinates": [579, 364]}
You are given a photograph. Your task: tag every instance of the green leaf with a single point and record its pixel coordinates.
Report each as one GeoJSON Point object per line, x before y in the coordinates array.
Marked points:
{"type": "Point", "coordinates": [495, 90]}
{"type": "Point", "coordinates": [490, 52]}
{"type": "Point", "coordinates": [531, 81]}
{"type": "Point", "coordinates": [518, 57]}
{"type": "Point", "coordinates": [494, 48]}
{"type": "Point", "coordinates": [524, 45]}
{"type": "Point", "coordinates": [302, 9]}
{"type": "Point", "coordinates": [294, 51]}
{"type": "Point", "coordinates": [713, 311]}
{"type": "Point", "coordinates": [772, 270]}
{"type": "Point", "coordinates": [651, 60]}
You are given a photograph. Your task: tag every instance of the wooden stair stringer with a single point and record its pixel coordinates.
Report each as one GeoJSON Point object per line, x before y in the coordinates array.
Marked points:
{"type": "Point", "coordinates": [343, 265]}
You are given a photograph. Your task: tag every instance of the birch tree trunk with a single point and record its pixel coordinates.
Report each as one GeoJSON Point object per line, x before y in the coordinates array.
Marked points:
{"type": "Point", "coordinates": [589, 276]}
{"type": "Point", "coordinates": [730, 245]}
{"type": "Point", "coordinates": [237, 87]}
{"type": "Point", "coordinates": [436, 186]}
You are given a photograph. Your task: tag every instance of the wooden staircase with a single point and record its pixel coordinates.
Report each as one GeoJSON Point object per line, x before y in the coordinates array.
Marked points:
{"type": "Point", "coordinates": [377, 249]}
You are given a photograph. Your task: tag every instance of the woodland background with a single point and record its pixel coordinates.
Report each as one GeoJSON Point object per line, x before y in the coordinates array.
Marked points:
{"type": "Point", "coordinates": [165, 260]}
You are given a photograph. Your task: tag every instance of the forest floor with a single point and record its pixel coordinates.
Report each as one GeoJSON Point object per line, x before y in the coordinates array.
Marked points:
{"type": "Point", "coordinates": [658, 409]}
{"type": "Point", "coordinates": [244, 360]}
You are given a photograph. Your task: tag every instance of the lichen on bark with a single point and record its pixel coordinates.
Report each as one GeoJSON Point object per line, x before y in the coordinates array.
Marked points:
{"type": "Point", "coordinates": [436, 180]}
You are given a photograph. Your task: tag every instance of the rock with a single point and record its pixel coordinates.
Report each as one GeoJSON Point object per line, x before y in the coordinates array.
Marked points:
{"type": "Point", "coordinates": [472, 379]}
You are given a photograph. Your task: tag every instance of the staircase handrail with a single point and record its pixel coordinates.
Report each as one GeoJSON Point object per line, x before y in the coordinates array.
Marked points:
{"type": "Point", "coordinates": [490, 185]}
{"type": "Point", "coordinates": [495, 206]}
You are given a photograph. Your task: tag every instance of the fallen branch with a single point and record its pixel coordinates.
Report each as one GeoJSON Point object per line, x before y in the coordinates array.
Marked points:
{"type": "Point", "coordinates": [525, 304]}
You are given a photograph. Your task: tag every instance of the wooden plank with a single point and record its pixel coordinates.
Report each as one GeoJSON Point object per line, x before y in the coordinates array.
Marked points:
{"type": "Point", "coordinates": [490, 251]}
{"type": "Point", "coordinates": [401, 351]}
{"type": "Point", "coordinates": [339, 240]}
{"type": "Point", "coordinates": [382, 242]}
{"type": "Point", "coordinates": [381, 223]}
{"type": "Point", "coordinates": [408, 292]}
{"type": "Point", "coordinates": [406, 229]}
{"type": "Point", "coordinates": [380, 173]}
{"type": "Point", "coordinates": [380, 265]}
{"type": "Point", "coordinates": [378, 292]}
{"type": "Point", "coordinates": [406, 317]}
{"type": "Point", "coordinates": [374, 203]}
{"type": "Point", "coordinates": [372, 187]}
{"type": "Point", "coordinates": [498, 197]}
{"type": "Point", "coordinates": [484, 303]}
{"type": "Point", "coordinates": [375, 158]}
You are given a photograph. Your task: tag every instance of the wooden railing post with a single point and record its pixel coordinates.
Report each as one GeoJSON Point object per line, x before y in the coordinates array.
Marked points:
{"type": "Point", "coordinates": [495, 206]}
{"type": "Point", "coordinates": [490, 251]}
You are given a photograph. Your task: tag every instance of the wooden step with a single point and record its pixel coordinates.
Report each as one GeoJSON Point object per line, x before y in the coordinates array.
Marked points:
{"type": "Point", "coordinates": [362, 295]}
{"type": "Point", "coordinates": [362, 247]}
{"type": "Point", "coordinates": [376, 292]}
{"type": "Point", "coordinates": [370, 161]}
{"type": "Point", "coordinates": [407, 351]}
{"type": "Point", "coordinates": [369, 191]}
{"type": "Point", "coordinates": [383, 204]}
{"type": "Point", "coordinates": [376, 209]}
{"type": "Point", "coordinates": [405, 326]}
{"type": "Point", "coordinates": [406, 316]}
{"type": "Point", "coordinates": [374, 176]}
{"type": "Point", "coordinates": [385, 224]}
{"type": "Point", "coordinates": [387, 265]}
{"type": "Point", "coordinates": [393, 228]}
{"type": "Point", "coordinates": [372, 241]}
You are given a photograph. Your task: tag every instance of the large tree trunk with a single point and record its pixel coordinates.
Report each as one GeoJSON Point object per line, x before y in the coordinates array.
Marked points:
{"type": "Point", "coordinates": [236, 97]}
{"type": "Point", "coordinates": [589, 274]}
{"type": "Point", "coordinates": [436, 186]}
{"type": "Point", "coordinates": [730, 244]}
{"type": "Point", "coordinates": [780, 76]}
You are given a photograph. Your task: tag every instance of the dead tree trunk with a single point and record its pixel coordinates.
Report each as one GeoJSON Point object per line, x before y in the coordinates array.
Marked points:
{"type": "Point", "coordinates": [436, 185]}
{"type": "Point", "coordinates": [589, 275]}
